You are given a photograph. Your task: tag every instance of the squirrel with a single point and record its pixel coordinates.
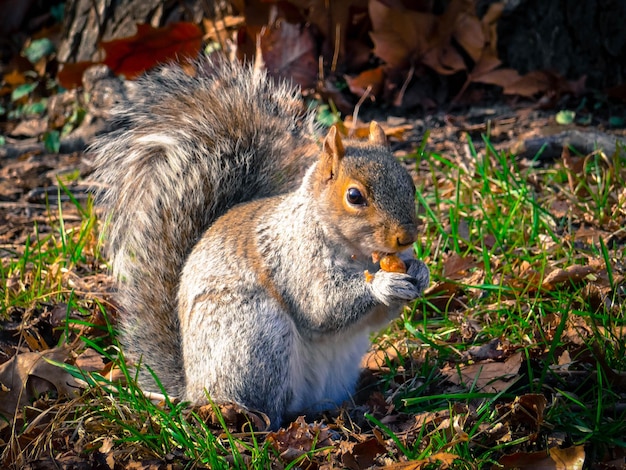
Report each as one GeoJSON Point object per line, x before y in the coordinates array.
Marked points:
{"type": "Point", "coordinates": [240, 242]}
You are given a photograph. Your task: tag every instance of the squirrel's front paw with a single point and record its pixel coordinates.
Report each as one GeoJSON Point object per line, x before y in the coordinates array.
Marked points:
{"type": "Point", "coordinates": [392, 288]}
{"type": "Point", "coordinates": [418, 270]}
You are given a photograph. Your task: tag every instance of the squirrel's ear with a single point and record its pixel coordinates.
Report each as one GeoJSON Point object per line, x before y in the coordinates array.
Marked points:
{"type": "Point", "coordinates": [377, 134]}
{"type": "Point", "coordinates": [333, 152]}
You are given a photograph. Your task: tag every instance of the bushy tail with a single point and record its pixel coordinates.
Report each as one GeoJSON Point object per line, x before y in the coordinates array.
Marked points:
{"type": "Point", "coordinates": [183, 150]}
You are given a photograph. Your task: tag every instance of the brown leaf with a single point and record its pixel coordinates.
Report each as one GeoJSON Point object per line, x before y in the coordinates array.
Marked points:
{"type": "Point", "coordinates": [150, 46]}
{"type": "Point", "coordinates": [106, 449]}
{"type": "Point", "coordinates": [442, 459]}
{"type": "Point", "coordinates": [500, 77]}
{"type": "Point", "coordinates": [491, 350]}
{"type": "Point", "coordinates": [554, 459]}
{"type": "Point", "coordinates": [372, 79]}
{"type": "Point", "coordinates": [14, 78]}
{"type": "Point", "coordinates": [90, 360]}
{"type": "Point", "coordinates": [590, 235]}
{"type": "Point", "coordinates": [525, 460]}
{"type": "Point", "coordinates": [391, 48]}
{"type": "Point", "coordinates": [456, 267]}
{"type": "Point", "coordinates": [289, 51]}
{"type": "Point", "coordinates": [529, 85]}
{"type": "Point", "coordinates": [487, 60]}
{"type": "Point", "coordinates": [574, 273]}
{"type": "Point", "coordinates": [233, 415]}
{"type": "Point", "coordinates": [30, 128]}
{"type": "Point", "coordinates": [398, 33]}
{"type": "Point", "coordinates": [363, 455]}
{"type": "Point", "coordinates": [571, 458]}
{"type": "Point", "coordinates": [528, 410]}
{"type": "Point", "coordinates": [493, 13]}
{"type": "Point", "coordinates": [379, 359]}
{"type": "Point", "coordinates": [451, 24]}
{"type": "Point", "coordinates": [299, 438]}
{"type": "Point", "coordinates": [362, 130]}
{"type": "Point", "coordinates": [26, 376]}
{"type": "Point", "coordinates": [560, 208]}
{"type": "Point", "coordinates": [469, 33]}
{"type": "Point", "coordinates": [487, 63]}
{"type": "Point", "coordinates": [444, 60]}
{"type": "Point", "coordinates": [485, 376]}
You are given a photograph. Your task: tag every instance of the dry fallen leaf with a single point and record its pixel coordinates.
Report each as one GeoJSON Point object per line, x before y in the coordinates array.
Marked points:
{"type": "Point", "coordinates": [527, 410]}
{"type": "Point", "coordinates": [397, 33]}
{"type": "Point", "coordinates": [363, 454]}
{"type": "Point", "coordinates": [361, 130]}
{"type": "Point", "coordinates": [27, 375]}
{"type": "Point", "coordinates": [554, 459]}
{"type": "Point", "coordinates": [456, 267]}
{"type": "Point", "coordinates": [371, 79]}
{"type": "Point", "coordinates": [90, 360]}
{"type": "Point", "coordinates": [289, 51]}
{"type": "Point", "coordinates": [233, 415]}
{"type": "Point", "coordinates": [442, 459]}
{"type": "Point", "coordinates": [400, 34]}
{"type": "Point", "coordinates": [486, 376]}
{"type": "Point", "coordinates": [299, 438]}
{"type": "Point", "coordinates": [494, 349]}
{"type": "Point", "coordinates": [470, 34]}
{"type": "Point", "coordinates": [379, 359]}
{"type": "Point", "coordinates": [150, 46]}
{"type": "Point", "coordinates": [70, 75]}
{"type": "Point", "coordinates": [573, 273]}
{"type": "Point", "coordinates": [14, 78]}
{"type": "Point", "coordinates": [571, 458]}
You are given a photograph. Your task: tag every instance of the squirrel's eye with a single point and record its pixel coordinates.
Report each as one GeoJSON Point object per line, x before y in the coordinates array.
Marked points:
{"type": "Point", "coordinates": [355, 197]}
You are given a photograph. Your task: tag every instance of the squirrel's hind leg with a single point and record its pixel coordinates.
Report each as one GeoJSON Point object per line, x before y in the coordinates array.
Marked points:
{"type": "Point", "coordinates": [240, 353]}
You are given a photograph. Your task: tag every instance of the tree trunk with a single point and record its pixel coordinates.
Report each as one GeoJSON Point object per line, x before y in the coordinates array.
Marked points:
{"type": "Point", "coordinates": [573, 38]}
{"type": "Point", "coordinates": [87, 22]}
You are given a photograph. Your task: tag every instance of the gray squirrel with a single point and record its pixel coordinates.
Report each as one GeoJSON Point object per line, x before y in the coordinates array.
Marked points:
{"type": "Point", "coordinates": [242, 244]}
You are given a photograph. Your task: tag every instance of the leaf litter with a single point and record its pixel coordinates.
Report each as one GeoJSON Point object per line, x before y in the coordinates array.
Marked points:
{"type": "Point", "coordinates": [401, 412]}
{"type": "Point", "coordinates": [493, 367]}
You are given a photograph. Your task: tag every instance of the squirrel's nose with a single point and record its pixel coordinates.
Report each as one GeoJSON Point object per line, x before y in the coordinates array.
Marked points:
{"type": "Point", "coordinates": [406, 235]}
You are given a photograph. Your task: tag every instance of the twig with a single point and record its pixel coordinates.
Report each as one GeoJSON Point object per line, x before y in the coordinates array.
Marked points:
{"type": "Point", "coordinates": [355, 113]}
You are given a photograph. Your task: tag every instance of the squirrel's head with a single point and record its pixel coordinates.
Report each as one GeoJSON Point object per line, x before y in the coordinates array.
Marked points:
{"type": "Point", "coordinates": [366, 193]}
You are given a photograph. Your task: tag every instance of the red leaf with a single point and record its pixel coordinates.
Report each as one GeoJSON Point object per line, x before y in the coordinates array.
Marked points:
{"type": "Point", "coordinates": [150, 46]}
{"type": "Point", "coordinates": [71, 75]}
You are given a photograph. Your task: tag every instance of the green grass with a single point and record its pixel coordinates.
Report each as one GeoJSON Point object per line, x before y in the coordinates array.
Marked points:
{"type": "Point", "coordinates": [495, 229]}
{"type": "Point", "coordinates": [163, 428]}
{"type": "Point", "coordinates": [42, 268]}
{"type": "Point", "coordinates": [490, 210]}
